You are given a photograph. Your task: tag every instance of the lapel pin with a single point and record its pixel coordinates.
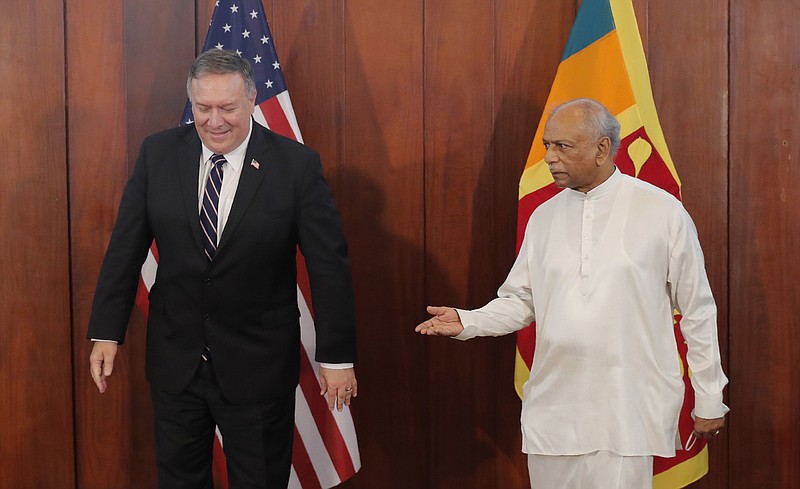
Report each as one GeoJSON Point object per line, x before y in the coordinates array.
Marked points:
{"type": "Point", "coordinates": [255, 164]}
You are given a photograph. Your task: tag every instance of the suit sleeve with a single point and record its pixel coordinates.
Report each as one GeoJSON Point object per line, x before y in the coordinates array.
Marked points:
{"type": "Point", "coordinates": [323, 245]}
{"type": "Point", "coordinates": [119, 275]}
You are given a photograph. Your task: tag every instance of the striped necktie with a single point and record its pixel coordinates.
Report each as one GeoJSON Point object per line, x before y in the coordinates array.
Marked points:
{"type": "Point", "coordinates": [208, 213]}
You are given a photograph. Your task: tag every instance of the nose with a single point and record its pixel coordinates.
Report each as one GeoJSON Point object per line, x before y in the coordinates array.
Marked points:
{"type": "Point", "coordinates": [550, 156]}
{"type": "Point", "coordinates": [215, 118]}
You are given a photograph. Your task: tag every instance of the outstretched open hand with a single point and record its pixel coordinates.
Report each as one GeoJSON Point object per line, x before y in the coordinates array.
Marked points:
{"type": "Point", "coordinates": [444, 322]}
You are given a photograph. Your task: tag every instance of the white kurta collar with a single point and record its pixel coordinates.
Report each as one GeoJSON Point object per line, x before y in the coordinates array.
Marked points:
{"type": "Point", "coordinates": [601, 190]}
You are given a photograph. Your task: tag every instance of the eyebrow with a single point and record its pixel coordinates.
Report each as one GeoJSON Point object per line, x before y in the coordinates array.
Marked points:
{"type": "Point", "coordinates": [224, 106]}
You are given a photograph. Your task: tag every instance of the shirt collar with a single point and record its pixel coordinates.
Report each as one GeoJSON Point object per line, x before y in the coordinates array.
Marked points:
{"type": "Point", "coordinates": [604, 188]}
{"type": "Point", "coordinates": [235, 158]}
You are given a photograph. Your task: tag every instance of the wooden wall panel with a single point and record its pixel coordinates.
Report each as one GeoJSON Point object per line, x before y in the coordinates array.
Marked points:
{"type": "Point", "coordinates": [35, 361]}
{"type": "Point", "coordinates": [379, 187]}
{"type": "Point", "coordinates": [97, 165]}
{"type": "Point", "coordinates": [459, 112]}
{"type": "Point", "coordinates": [479, 128]}
{"type": "Point", "coordinates": [423, 112]}
{"type": "Point", "coordinates": [764, 263]}
{"type": "Point", "coordinates": [203, 11]}
{"type": "Point", "coordinates": [691, 95]}
{"type": "Point", "coordinates": [528, 40]}
{"type": "Point", "coordinates": [155, 95]}
{"type": "Point", "coordinates": [119, 92]}
{"type": "Point", "coordinates": [309, 38]}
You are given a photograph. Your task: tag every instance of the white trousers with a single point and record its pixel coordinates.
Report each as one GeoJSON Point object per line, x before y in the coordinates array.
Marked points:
{"type": "Point", "coordinates": [597, 470]}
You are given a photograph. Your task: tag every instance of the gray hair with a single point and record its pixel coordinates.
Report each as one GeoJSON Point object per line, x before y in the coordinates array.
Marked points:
{"type": "Point", "coordinates": [598, 121]}
{"type": "Point", "coordinates": [218, 62]}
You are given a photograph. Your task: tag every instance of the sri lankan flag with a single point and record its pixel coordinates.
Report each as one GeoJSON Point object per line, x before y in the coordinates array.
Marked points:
{"type": "Point", "coordinates": [604, 60]}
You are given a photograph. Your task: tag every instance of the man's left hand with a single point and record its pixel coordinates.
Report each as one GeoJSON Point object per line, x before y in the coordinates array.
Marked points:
{"type": "Point", "coordinates": [708, 428]}
{"type": "Point", "coordinates": [339, 386]}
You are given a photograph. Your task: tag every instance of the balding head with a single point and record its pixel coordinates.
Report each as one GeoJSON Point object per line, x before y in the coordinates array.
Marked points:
{"type": "Point", "coordinates": [598, 121]}
{"type": "Point", "coordinates": [579, 138]}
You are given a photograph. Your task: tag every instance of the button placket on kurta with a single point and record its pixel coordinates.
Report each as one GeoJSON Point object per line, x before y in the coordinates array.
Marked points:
{"type": "Point", "coordinates": [586, 242]}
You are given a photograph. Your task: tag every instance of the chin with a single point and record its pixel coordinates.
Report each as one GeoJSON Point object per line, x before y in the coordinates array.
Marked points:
{"type": "Point", "coordinates": [218, 148]}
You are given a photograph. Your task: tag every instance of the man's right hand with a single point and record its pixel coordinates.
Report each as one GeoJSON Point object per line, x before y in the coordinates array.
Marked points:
{"type": "Point", "coordinates": [445, 322]}
{"type": "Point", "coordinates": [101, 362]}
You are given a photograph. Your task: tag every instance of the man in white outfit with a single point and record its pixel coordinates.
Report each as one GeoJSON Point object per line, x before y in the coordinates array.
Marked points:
{"type": "Point", "coordinates": [602, 266]}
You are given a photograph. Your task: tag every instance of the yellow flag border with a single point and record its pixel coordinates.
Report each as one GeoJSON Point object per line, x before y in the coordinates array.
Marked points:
{"type": "Point", "coordinates": [630, 42]}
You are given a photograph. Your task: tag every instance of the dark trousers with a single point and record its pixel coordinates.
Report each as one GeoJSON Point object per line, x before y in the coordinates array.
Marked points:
{"type": "Point", "coordinates": [257, 438]}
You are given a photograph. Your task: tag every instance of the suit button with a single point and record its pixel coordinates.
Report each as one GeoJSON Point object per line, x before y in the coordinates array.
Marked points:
{"type": "Point", "coordinates": [207, 281]}
{"type": "Point", "coordinates": [206, 316]}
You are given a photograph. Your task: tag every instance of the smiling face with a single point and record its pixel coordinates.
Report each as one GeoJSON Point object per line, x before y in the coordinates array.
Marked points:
{"type": "Point", "coordinates": [221, 108]}
{"type": "Point", "coordinates": [576, 159]}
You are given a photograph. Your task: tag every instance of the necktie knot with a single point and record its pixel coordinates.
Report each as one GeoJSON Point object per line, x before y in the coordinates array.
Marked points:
{"type": "Point", "coordinates": [218, 160]}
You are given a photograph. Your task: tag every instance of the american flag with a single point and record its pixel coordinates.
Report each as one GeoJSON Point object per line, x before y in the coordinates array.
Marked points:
{"type": "Point", "coordinates": [325, 446]}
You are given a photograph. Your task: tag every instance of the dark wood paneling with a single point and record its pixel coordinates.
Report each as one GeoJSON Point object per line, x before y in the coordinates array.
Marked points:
{"type": "Point", "coordinates": [459, 111]}
{"type": "Point", "coordinates": [155, 85]}
{"type": "Point", "coordinates": [35, 357]}
{"type": "Point", "coordinates": [97, 167]}
{"type": "Point", "coordinates": [204, 10]}
{"type": "Point", "coordinates": [642, 10]}
{"type": "Point", "coordinates": [309, 38]}
{"type": "Point", "coordinates": [379, 185]}
{"type": "Point", "coordinates": [691, 98]}
{"type": "Point", "coordinates": [155, 97]}
{"type": "Point", "coordinates": [764, 263]}
{"type": "Point", "coordinates": [423, 113]}
{"type": "Point", "coordinates": [118, 93]}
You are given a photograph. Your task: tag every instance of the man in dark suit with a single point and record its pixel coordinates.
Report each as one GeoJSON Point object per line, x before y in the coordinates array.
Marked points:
{"type": "Point", "coordinates": [228, 202]}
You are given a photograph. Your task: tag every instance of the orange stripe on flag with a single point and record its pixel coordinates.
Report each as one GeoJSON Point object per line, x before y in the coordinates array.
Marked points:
{"type": "Point", "coordinates": [596, 72]}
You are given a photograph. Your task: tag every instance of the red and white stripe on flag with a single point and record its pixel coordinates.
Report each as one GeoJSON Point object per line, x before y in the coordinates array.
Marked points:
{"type": "Point", "coordinates": [325, 445]}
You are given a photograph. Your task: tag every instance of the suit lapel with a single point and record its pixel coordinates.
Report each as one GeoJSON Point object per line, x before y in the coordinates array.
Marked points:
{"type": "Point", "coordinates": [188, 175]}
{"type": "Point", "coordinates": [253, 170]}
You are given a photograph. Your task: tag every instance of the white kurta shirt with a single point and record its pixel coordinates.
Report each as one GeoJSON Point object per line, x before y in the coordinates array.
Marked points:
{"type": "Point", "coordinates": [601, 273]}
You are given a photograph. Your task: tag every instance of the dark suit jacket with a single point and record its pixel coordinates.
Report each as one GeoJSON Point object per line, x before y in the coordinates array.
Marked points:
{"type": "Point", "coordinates": [243, 304]}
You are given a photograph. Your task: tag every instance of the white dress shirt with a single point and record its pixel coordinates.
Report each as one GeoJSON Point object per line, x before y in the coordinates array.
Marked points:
{"type": "Point", "coordinates": [600, 273]}
{"type": "Point", "coordinates": [231, 173]}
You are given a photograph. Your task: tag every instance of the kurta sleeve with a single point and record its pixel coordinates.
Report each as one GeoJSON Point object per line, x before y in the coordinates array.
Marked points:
{"type": "Point", "coordinates": [691, 295]}
{"type": "Point", "coordinates": [513, 308]}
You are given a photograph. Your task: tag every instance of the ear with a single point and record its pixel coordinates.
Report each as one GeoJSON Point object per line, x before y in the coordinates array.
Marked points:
{"type": "Point", "coordinates": [603, 150]}
{"type": "Point", "coordinates": [251, 101]}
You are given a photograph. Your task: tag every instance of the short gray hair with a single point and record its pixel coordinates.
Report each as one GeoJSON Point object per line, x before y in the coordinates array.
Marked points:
{"type": "Point", "coordinates": [598, 121]}
{"type": "Point", "coordinates": [218, 62]}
